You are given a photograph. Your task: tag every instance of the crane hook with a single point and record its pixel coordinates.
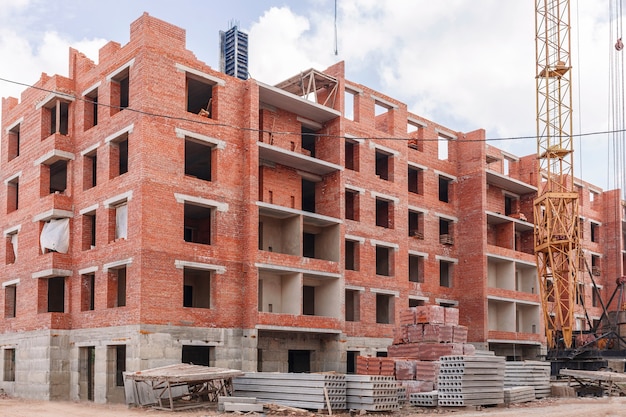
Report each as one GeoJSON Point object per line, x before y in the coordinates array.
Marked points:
{"type": "Point", "coordinates": [619, 45]}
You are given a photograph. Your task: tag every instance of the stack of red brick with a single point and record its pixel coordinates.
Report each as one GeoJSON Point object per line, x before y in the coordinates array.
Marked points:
{"type": "Point", "coordinates": [366, 365]}
{"type": "Point", "coordinates": [425, 334]}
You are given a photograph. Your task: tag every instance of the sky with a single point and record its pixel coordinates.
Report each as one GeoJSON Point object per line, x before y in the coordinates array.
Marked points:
{"type": "Point", "coordinates": [465, 64]}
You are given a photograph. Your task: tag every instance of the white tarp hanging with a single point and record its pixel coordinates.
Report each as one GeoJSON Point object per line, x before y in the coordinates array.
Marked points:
{"type": "Point", "coordinates": [121, 222]}
{"type": "Point", "coordinates": [14, 244]}
{"type": "Point", "coordinates": [55, 235]}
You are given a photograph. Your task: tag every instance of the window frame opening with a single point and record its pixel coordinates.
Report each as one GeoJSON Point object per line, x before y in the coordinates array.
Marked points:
{"type": "Point", "coordinates": [197, 288]}
{"type": "Point", "coordinates": [199, 94]}
{"type": "Point", "coordinates": [385, 308]}
{"type": "Point", "coordinates": [198, 223]}
{"type": "Point", "coordinates": [199, 159]}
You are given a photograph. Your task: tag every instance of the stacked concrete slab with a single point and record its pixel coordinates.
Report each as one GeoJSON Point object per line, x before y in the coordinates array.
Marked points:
{"type": "Point", "coordinates": [471, 380]}
{"type": "Point", "coordinates": [308, 391]}
{"type": "Point", "coordinates": [534, 374]}
{"type": "Point", "coordinates": [521, 394]}
{"type": "Point", "coordinates": [371, 393]}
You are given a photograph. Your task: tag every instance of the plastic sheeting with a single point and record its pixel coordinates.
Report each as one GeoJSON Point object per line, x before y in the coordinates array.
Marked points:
{"type": "Point", "coordinates": [121, 222]}
{"type": "Point", "coordinates": [14, 244]}
{"type": "Point", "coordinates": [55, 236]}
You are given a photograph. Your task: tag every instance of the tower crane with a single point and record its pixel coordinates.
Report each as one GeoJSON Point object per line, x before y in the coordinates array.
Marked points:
{"type": "Point", "coordinates": [557, 246]}
{"type": "Point", "coordinates": [557, 239]}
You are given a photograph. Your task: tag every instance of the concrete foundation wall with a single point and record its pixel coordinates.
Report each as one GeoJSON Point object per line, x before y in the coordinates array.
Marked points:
{"type": "Point", "coordinates": [50, 365]}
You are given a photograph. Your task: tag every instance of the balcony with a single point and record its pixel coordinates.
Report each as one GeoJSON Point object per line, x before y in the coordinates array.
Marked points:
{"type": "Point", "coordinates": [509, 184]}
{"type": "Point", "coordinates": [296, 160]}
{"type": "Point", "coordinates": [418, 235]}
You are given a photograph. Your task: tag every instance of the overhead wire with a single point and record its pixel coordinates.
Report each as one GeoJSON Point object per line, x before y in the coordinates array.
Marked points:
{"type": "Point", "coordinates": [212, 122]}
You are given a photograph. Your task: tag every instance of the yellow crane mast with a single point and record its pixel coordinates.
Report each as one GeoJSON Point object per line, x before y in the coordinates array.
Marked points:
{"type": "Point", "coordinates": [557, 248]}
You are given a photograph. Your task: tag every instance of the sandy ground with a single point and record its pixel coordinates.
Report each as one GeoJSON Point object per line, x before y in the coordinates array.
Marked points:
{"type": "Point", "coordinates": [549, 407]}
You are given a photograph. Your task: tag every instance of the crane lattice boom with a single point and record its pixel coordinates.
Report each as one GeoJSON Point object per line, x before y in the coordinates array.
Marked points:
{"type": "Point", "coordinates": [556, 207]}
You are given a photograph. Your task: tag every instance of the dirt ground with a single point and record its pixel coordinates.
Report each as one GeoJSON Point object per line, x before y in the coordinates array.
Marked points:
{"type": "Point", "coordinates": [548, 407]}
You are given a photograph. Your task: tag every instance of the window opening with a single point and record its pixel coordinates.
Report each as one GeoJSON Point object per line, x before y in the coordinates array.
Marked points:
{"type": "Point", "coordinates": [58, 177]}
{"type": "Point", "coordinates": [384, 309]}
{"type": "Point", "coordinates": [89, 231]}
{"type": "Point", "coordinates": [308, 300]}
{"type": "Point", "coordinates": [91, 109]}
{"type": "Point", "coordinates": [90, 170]}
{"type": "Point", "coordinates": [445, 274]}
{"type": "Point", "coordinates": [442, 148]}
{"type": "Point", "coordinates": [13, 188]}
{"type": "Point", "coordinates": [11, 248]}
{"type": "Point", "coordinates": [384, 213]}
{"type": "Point", "coordinates": [352, 155]}
{"type": "Point", "coordinates": [88, 292]}
{"type": "Point", "coordinates": [383, 166]}
{"type": "Point", "coordinates": [308, 245]}
{"type": "Point", "coordinates": [353, 305]}
{"type": "Point", "coordinates": [416, 224]}
{"type": "Point", "coordinates": [348, 99]}
{"type": "Point", "coordinates": [9, 365]}
{"type": "Point", "coordinates": [445, 232]}
{"type": "Point", "coordinates": [198, 160]}
{"type": "Point", "coordinates": [352, 251]}
{"type": "Point", "coordinates": [508, 205]}
{"type": "Point", "coordinates": [117, 287]}
{"type": "Point", "coordinates": [56, 295]}
{"type": "Point", "coordinates": [120, 365]}
{"type": "Point", "coordinates": [383, 261]}
{"type": "Point", "coordinates": [14, 142]}
{"type": "Point", "coordinates": [10, 301]}
{"type": "Point", "coordinates": [121, 221]}
{"type": "Point", "coordinates": [120, 91]}
{"type": "Point", "coordinates": [415, 180]}
{"type": "Point", "coordinates": [197, 355]}
{"type": "Point", "coordinates": [197, 223]}
{"type": "Point", "coordinates": [416, 303]}
{"type": "Point", "coordinates": [196, 288]}
{"type": "Point", "coordinates": [308, 141]}
{"type": "Point", "coordinates": [119, 156]}
{"type": "Point", "coordinates": [352, 205]}
{"type": "Point", "coordinates": [59, 118]}
{"type": "Point", "coordinates": [199, 97]}
{"type": "Point", "coordinates": [444, 189]}
{"type": "Point", "coordinates": [299, 361]}
{"type": "Point", "coordinates": [416, 268]}
{"type": "Point", "coordinates": [595, 232]}
{"type": "Point", "coordinates": [308, 196]}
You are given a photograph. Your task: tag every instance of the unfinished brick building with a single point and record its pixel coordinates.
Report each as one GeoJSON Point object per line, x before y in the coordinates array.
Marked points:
{"type": "Point", "coordinates": [160, 211]}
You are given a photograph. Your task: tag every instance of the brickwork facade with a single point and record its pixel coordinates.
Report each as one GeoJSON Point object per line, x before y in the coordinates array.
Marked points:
{"type": "Point", "coordinates": [235, 224]}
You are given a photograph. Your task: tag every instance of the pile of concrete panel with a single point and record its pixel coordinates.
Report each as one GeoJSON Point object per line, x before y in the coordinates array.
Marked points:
{"type": "Point", "coordinates": [371, 393]}
{"type": "Point", "coordinates": [308, 391]}
{"type": "Point", "coordinates": [521, 394]}
{"type": "Point", "coordinates": [424, 399]}
{"type": "Point", "coordinates": [470, 380]}
{"type": "Point", "coordinates": [534, 374]}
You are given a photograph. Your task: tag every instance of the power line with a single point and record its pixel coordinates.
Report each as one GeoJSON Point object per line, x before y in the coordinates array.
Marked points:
{"type": "Point", "coordinates": [272, 132]}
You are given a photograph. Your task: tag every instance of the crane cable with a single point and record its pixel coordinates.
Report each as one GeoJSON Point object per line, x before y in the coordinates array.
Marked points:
{"type": "Point", "coordinates": [616, 99]}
